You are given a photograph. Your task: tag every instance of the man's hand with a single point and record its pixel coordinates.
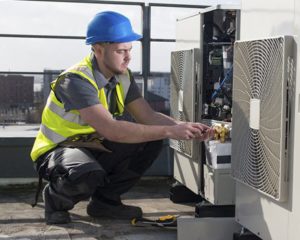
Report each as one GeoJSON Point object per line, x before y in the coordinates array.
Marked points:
{"type": "Point", "coordinates": [206, 135]}
{"type": "Point", "coordinates": [189, 131]}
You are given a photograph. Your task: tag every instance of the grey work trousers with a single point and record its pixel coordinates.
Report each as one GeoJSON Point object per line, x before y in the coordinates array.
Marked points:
{"type": "Point", "coordinates": [75, 174]}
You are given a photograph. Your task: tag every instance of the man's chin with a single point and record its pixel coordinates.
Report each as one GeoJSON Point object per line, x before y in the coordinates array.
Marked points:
{"type": "Point", "coordinates": [121, 71]}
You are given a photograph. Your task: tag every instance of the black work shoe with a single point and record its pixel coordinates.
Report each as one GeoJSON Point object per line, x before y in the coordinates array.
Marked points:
{"type": "Point", "coordinates": [98, 209]}
{"type": "Point", "coordinates": [53, 216]}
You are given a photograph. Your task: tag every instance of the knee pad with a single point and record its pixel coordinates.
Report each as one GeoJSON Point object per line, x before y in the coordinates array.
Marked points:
{"type": "Point", "coordinates": [81, 187]}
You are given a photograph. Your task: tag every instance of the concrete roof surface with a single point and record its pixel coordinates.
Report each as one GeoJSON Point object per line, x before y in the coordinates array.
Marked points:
{"type": "Point", "coordinates": [18, 220]}
{"type": "Point", "coordinates": [22, 130]}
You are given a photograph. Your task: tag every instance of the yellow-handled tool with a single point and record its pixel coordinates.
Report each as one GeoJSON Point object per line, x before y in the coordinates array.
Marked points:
{"type": "Point", "coordinates": [163, 221]}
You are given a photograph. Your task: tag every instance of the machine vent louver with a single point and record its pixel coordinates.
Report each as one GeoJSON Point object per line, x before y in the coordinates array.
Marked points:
{"type": "Point", "coordinates": [261, 113]}
{"type": "Point", "coordinates": [184, 92]}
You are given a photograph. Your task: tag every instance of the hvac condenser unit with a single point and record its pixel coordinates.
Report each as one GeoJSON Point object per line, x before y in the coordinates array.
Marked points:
{"type": "Point", "coordinates": [197, 67]}
{"type": "Point", "coordinates": [262, 83]}
{"type": "Point", "coordinates": [186, 106]}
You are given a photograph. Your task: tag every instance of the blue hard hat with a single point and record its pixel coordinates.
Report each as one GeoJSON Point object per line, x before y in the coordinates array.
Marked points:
{"type": "Point", "coordinates": [110, 27]}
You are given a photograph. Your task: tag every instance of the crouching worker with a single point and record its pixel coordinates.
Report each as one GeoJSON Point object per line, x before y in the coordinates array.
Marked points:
{"type": "Point", "coordinates": [83, 149]}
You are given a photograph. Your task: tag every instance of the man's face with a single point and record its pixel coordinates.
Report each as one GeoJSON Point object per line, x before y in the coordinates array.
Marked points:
{"type": "Point", "coordinates": [115, 57]}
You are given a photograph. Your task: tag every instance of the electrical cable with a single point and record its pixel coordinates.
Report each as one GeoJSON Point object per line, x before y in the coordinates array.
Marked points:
{"type": "Point", "coordinates": [227, 77]}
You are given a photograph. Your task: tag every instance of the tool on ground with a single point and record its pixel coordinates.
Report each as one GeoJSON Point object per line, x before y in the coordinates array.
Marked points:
{"type": "Point", "coordinates": [163, 221]}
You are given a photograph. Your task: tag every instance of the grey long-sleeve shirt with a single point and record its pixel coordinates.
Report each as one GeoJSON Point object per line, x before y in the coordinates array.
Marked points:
{"type": "Point", "coordinates": [77, 93]}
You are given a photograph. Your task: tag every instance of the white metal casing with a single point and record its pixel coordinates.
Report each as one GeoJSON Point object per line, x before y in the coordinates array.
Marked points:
{"type": "Point", "coordinates": [185, 102]}
{"type": "Point", "coordinates": [262, 215]}
{"type": "Point", "coordinates": [219, 187]}
{"type": "Point", "coordinates": [189, 29]}
{"type": "Point", "coordinates": [261, 107]}
{"type": "Point", "coordinates": [189, 35]}
{"type": "Point", "coordinates": [191, 228]}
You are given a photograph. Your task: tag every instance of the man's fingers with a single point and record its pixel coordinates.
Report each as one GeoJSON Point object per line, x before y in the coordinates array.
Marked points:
{"type": "Point", "coordinates": [205, 135]}
{"type": "Point", "coordinates": [197, 131]}
{"type": "Point", "coordinates": [201, 127]}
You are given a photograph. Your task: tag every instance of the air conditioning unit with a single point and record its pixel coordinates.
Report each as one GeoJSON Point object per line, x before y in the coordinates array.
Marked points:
{"type": "Point", "coordinates": [185, 95]}
{"type": "Point", "coordinates": [262, 83]}
{"type": "Point", "coordinates": [204, 43]}
{"type": "Point", "coordinates": [185, 103]}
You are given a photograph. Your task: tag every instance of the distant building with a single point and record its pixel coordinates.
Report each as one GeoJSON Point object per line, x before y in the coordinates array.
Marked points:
{"type": "Point", "coordinates": [16, 91]}
{"type": "Point", "coordinates": [49, 76]}
{"type": "Point", "coordinates": [158, 103]}
{"type": "Point", "coordinates": [158, 88]}
{"type": "Point", "coordinates": [160, 84]}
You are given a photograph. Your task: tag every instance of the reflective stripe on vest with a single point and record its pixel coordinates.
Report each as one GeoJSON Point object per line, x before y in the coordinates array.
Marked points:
{"type": "Point", "coordinates": [51, 135]}
{"type": "Point", "coordinates": [69, 116]}
{"type": "Point", "coordinates": [58, 125]}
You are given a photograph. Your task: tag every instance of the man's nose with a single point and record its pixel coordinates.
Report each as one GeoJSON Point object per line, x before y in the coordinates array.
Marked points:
{"type": "Point", "coordinates": [127, 55]}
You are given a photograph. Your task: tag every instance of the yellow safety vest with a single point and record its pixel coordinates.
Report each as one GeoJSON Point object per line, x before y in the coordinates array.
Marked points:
{"type": "Point", "coordinates": [58, 125]}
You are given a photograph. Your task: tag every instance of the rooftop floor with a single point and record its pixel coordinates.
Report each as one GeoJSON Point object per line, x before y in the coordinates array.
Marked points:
{"type": "Point", "coordinates": [18, 220]}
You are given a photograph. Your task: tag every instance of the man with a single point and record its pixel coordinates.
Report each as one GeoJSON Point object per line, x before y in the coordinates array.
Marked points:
{"type": "Point", "coordinates": [82, 148]}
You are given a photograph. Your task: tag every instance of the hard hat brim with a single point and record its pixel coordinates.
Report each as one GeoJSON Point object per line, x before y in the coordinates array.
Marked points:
{"type": "Point", "coordinates": [129, 38]}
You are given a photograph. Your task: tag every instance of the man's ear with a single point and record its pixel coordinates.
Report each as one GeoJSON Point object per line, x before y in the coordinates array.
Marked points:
{"type": "Point", "coordinates": [98, 49]}
{"type": "Point", "coordinates": [93, 47]}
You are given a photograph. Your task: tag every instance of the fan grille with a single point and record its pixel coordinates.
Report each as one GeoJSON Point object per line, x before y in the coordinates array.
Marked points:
{"type": "Point", "coordinates": [182, 100]}
{"type": "Point", "coordinates": [259, 155]}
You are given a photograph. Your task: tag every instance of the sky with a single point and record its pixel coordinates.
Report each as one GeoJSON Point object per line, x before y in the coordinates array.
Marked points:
{"type": "Point", "coordinates": [53, 18]}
